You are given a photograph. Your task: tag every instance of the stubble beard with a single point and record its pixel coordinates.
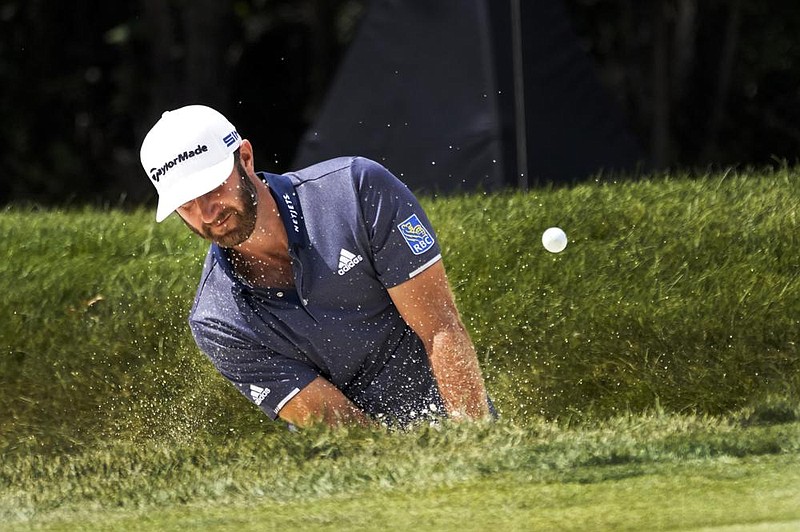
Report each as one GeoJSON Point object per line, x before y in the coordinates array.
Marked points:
{"type": "Point", "coordinates": [240, 223]}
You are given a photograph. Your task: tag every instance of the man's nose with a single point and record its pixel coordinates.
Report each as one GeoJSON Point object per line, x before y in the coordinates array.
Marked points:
{"type": "Point", "coordinates": [208, 207]}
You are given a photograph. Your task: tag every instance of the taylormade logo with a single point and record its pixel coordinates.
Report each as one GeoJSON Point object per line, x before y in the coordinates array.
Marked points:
{"type": "Point", "coordinates": [157, 173]}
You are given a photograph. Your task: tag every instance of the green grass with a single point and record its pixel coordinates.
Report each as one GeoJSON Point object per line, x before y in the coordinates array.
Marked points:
{"type": "Point", "coordinates": [760, 494]}
{"type": "Point", "coordinates": [655, 356]}
{"type": "Point", "coordinates": [639, 472]}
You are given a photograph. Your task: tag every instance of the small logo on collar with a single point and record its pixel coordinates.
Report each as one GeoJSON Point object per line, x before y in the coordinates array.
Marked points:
{"type": "Point", "coordinates": [292, 212]}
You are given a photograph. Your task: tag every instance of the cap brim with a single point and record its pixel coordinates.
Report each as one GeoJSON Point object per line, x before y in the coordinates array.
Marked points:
{"type": "Point", "coordinates": [193, 186]}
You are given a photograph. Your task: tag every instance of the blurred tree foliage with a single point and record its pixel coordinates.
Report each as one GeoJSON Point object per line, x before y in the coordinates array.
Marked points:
{"type": "Point", "coordinates": [82, 81]}
{"type": "Point", "coordinates": [701, 81]}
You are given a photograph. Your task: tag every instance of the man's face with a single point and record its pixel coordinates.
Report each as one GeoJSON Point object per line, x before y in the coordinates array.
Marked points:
{"type": "Point", "coordinates": [227, 214]}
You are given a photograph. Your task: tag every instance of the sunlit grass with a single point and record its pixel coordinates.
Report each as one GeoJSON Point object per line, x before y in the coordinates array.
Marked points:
{"type": "Point", "coordinates": [666, 332]}
{"type": "Point", "coordinates": [320, 464]}
{"type": "Point", "coordinates": [673, 292]}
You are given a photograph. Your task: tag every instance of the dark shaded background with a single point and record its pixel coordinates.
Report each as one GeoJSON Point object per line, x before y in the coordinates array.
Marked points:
{"type": "Point", "coordinates": [702, 83]}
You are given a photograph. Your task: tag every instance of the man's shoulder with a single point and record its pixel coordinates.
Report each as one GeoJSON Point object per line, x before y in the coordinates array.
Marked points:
{"type": "Point", "coordinates": [214, 290]}
{"type": "Point", "coordinates": [344, 167]}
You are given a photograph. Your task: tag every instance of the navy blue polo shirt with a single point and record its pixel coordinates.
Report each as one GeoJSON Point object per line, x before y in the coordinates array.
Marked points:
{"type": "Point", "coordinates": [354, 231]}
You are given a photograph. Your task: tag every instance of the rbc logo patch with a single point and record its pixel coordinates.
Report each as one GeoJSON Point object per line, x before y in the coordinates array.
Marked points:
{"type": "Point", "coordinates": [416, 236]}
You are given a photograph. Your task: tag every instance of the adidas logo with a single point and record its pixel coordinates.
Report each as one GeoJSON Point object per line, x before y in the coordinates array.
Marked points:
{"type": "Point", "coordinates": [347, 260]}
{"type": "Point", "coordinates": [258, 394]}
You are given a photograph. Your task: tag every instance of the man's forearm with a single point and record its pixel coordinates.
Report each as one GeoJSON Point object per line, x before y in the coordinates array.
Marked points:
{"type": "Point", "coordinates": [321, 402]}
{"type": "Point", "coordinates": [458, 375]}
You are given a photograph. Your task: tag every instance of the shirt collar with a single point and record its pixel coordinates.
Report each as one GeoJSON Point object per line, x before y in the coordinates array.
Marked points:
{"type": "Point", "coordinates": [289, 207]}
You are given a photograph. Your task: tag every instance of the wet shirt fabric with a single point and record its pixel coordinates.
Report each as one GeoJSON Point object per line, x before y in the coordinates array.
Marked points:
{"type": "Point", "coordinates": [354, 231]}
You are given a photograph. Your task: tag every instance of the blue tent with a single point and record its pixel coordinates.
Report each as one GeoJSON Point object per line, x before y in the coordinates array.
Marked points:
{"type": "Point", "coordinates": [471, 94]}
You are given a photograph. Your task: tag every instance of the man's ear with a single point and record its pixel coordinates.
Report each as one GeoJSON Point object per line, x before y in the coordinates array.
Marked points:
{"type": "Point", "coordinates": [246, 156]}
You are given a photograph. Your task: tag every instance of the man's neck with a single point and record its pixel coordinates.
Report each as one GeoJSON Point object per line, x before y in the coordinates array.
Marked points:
{"type": "Point", "coordinates": [263, 259]}
{"type": "Point", "coordinates": [269, 235]}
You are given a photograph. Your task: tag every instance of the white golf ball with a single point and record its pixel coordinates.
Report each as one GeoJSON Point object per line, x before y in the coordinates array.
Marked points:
{"type": "Point", "coordinates": [554, 240]}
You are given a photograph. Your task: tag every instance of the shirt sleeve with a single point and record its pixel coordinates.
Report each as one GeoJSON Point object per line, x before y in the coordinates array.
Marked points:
{"type": "Point", "coordinates": [402, 239]}
{"type": "Point", "coordinates": [267, 379]}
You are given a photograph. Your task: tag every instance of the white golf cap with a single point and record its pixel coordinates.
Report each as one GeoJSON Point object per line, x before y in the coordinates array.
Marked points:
{"type": "Point", "coordinates": [188, 153]}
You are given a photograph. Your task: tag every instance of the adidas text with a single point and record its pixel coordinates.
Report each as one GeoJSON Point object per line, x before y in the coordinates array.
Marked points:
{"type": "Point", "coordinates": [258, 394]}
{"type": "Point", "coordinates": [347, 261]}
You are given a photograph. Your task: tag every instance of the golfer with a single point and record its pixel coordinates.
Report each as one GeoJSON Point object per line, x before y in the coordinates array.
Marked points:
{"type": "Point", "coordinates": [323, 297]}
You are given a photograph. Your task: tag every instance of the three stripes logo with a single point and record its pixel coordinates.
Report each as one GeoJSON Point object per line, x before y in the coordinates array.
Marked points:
{"type": "Point", "coordinates": [347, 261]}
{"type": "Point", "coordinates": [231, 138]}
{"type": "Point", "coordinates": [258, 394]}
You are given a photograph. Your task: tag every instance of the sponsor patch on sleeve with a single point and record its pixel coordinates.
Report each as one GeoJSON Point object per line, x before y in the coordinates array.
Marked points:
{"type": "Point", "coordinates": [416, 236]}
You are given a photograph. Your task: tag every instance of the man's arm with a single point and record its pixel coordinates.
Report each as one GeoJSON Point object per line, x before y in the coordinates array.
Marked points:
{"type": "Point", "coordinates": [426, 303]}
{"type": "Point", "coordinates": [323, 402]}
